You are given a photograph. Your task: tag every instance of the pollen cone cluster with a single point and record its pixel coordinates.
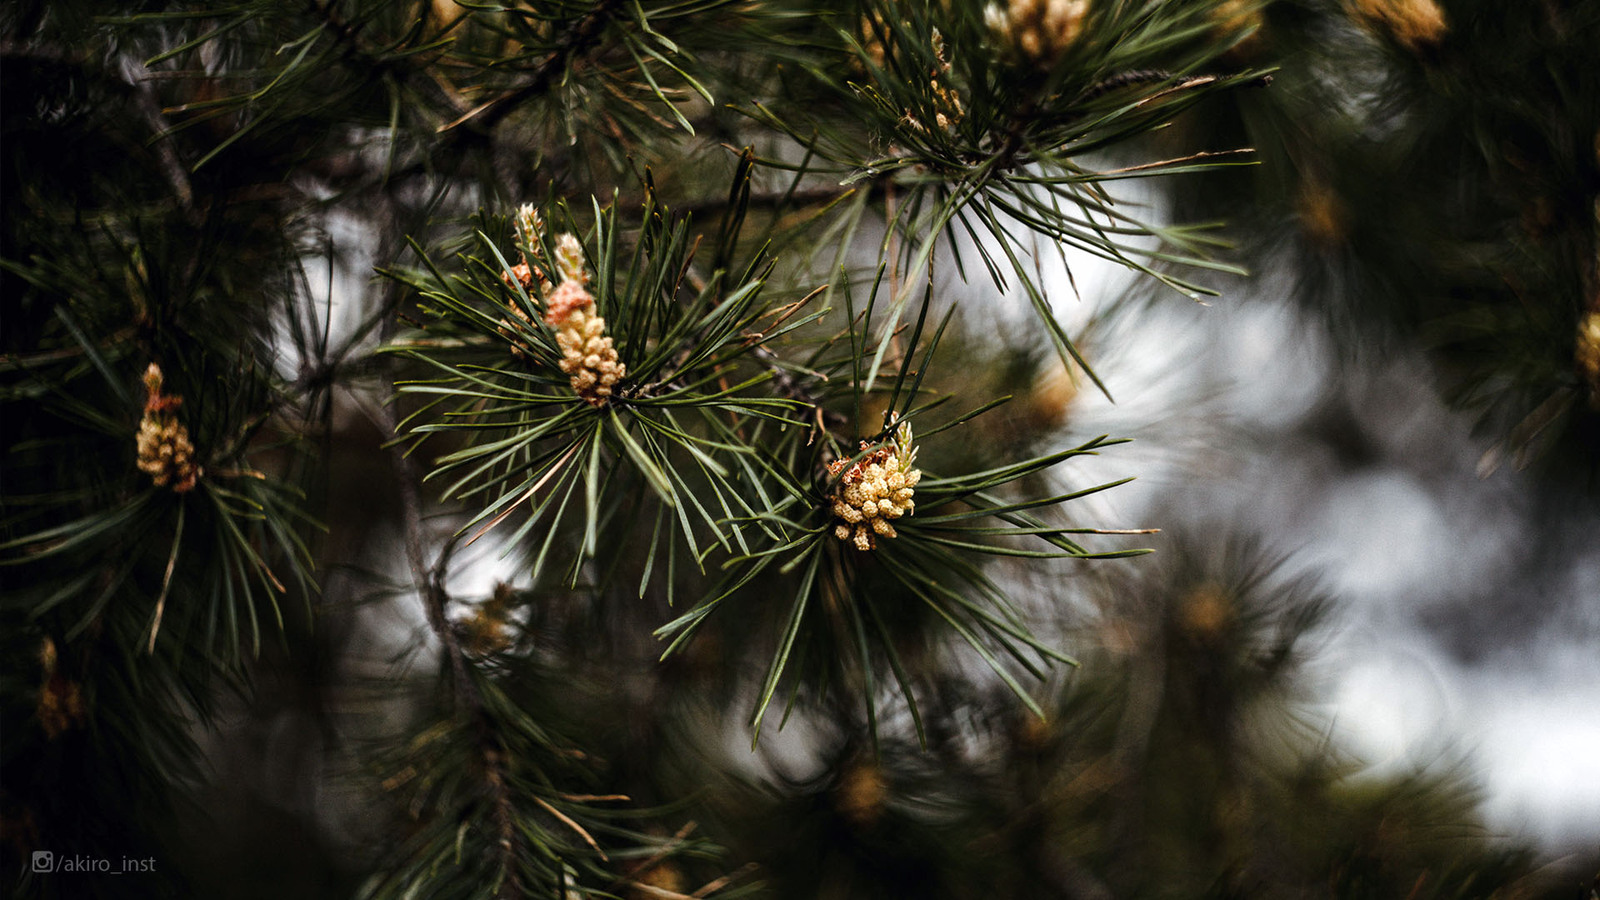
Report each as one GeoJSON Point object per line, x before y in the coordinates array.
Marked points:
{"type": "Point", "coordinates": [1417, 25]}
{"type": "Point", "coordinates": [1040, 31]}
{"type": "Point", "coordinates": [1588, 353]}
{"type": "Point", "coordinates": [1236, 15]}
{"type": "Point", "coordinates": [874, 491]}
{"type": "Point", "coordinates": [872, 31]}
{"type": "Point", "coordinates": [860, 794]}
{"type": "Point", "coordinates": [1243, 19]}
{"type": "Point", "coordinates": [664, 879]}
{"type": "Point", "coordinates": [61, 707]}
{"type": "Point", "coordinates": [587, 355]}
{"type": "Point", "coordinates": [488, 630]}
{"type": "Point", "coordinates": [947, 111]}
{"type": "Point", "coordinates": [165, 452]}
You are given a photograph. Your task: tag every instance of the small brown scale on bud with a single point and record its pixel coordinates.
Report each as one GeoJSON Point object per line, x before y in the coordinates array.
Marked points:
{"type": "Point", "coordinates": [165, 452]}
{"type": "Point", "coordinates": [875, 490]}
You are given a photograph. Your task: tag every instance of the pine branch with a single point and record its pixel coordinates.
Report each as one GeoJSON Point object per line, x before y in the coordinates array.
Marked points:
{"type": "Point", "coordinates": [580, 37]}
{"type": "Point", "coordinates": [405, 67]}
{"type": "Point", "coordinates": [430, 582]}
{"type": "Point", "coordinates": [177, 175]}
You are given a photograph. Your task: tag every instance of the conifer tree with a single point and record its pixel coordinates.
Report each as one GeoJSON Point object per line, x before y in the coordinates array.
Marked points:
{"type": "Point", "coordinates": [575, 448]}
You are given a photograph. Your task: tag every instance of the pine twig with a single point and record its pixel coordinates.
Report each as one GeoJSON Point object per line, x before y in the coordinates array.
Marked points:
{"type": "Point", "coordinates": [430, 581]}
{"type": "Point", "coordinates": [581, 36]}
{"type": "Point", "coordinates": [354, 51]}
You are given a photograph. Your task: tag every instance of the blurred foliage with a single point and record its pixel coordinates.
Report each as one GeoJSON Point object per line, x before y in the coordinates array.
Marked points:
{"type": "Point", "coordinates": [1183, 759]}
{"type": "Point", "coordinates": [1430, 170]}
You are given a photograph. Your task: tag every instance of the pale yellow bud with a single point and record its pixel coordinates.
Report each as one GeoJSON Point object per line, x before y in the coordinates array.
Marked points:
{"type": "Point", "coordinates": [529, 225]}
{"type": "Point", "coordinates": [569, 259]}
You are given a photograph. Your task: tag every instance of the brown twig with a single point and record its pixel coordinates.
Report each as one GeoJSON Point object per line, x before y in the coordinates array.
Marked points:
{"type": "Point", "coordinates": [430, 582]}
{"type": "Point", "coordinates": [405, 67]}
{"type": "Point", "coordinates": [567, 821]}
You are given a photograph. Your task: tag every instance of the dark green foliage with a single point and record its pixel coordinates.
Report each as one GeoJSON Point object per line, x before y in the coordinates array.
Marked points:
{"type": "Point", "coordinates": [1178, 762]}
{"type": "Point", "coordinates": [1436, 182]}
{"type": "Point", "coordinates": [148, 600]}
{"type": "Point", "coordinates": [503, 803]}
